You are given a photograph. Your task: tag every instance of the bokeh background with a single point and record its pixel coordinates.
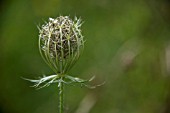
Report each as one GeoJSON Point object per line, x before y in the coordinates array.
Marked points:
{"type": "Point", "coordinates": [127, 45]}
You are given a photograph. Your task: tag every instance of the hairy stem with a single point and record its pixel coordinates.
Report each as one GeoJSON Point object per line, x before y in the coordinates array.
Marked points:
{"type": "Point", "coordinates": [61, 95]}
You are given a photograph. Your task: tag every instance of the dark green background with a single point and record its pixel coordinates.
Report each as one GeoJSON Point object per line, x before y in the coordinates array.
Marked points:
{"type": "Point", "coordinates": [127, 45]}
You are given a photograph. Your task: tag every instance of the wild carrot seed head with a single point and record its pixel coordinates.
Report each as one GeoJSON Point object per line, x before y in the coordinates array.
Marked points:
{"type": "Point", "coordinates": [61, 42]}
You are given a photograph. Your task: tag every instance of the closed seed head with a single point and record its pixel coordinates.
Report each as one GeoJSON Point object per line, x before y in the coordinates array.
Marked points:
{"type": "Point", "coordinates": [61, 42]}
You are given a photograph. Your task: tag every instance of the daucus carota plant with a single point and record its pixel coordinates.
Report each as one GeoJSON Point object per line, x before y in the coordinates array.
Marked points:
{"type": "Point", "coordinates": [60, 44]}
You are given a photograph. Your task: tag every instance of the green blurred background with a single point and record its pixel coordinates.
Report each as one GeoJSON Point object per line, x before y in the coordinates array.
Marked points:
{"type": "Point", "coordinates": [127, 45]}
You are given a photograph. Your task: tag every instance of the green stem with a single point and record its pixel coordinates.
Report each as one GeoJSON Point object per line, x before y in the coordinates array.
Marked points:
{"type": "Point", "coordinates": [61, 96]}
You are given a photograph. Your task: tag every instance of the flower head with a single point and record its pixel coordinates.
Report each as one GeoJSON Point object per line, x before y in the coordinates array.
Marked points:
{"type": "Point", "coordinates": [61, 43]}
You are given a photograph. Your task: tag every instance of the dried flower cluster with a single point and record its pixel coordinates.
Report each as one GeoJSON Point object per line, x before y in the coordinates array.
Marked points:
{"type": "Point", "coordinates": [60, 45]}
{"type": "Point", "coordinates": [61, 42]}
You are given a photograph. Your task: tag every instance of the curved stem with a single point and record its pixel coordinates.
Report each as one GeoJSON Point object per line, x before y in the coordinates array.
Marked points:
{"type": "Point", "coordinates": [61, 95]}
